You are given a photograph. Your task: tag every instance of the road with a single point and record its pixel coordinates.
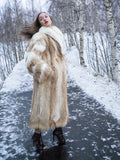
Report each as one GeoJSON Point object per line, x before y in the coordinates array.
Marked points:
{"type": "Point", "coordinates": [92, 133]}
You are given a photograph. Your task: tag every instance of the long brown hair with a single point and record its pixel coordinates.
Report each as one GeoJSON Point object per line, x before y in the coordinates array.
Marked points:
{"type": "Point", "coordinates": [29, 30]}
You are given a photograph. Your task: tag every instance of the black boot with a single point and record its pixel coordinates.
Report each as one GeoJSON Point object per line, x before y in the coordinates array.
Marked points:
{"type": "Point", "coordinates": [37, 141]}
{"type": "Point", "coordinates": [59, 134]}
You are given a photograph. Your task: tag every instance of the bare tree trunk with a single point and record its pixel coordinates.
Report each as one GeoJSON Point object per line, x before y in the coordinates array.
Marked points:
{"type": "Point", "coordinates": [78, 7]}
{"type": "Point", "coordinates": [104, 52]}
{"type": "Point", "coordinates": [94, 40]}
{"type": "Point", "coordinates": [70, 39]}
{"type": "Point", "coordinates": [33, 10]}
{"type": "Point", "coordinates": [6, 65]}
{"type": "Point", "coordinates": [82, 61]}
{"type": "Point", "coordinates": [112, 33]}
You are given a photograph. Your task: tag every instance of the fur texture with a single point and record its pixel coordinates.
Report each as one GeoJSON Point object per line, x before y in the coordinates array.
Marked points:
{"type": "Point", "coordinates": [46, 63]}
{"type": "Point", "coordinates": [56, 34]}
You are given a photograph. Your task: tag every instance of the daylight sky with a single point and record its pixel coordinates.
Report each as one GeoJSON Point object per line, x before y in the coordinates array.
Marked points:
{"type": "Point", "coordinates": [36, 3]}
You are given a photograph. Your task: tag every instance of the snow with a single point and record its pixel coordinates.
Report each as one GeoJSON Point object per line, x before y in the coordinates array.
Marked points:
{"type": "Point", "coordinates": [101, 88]}
{"type": "Point", "coordinates": [19, 80]}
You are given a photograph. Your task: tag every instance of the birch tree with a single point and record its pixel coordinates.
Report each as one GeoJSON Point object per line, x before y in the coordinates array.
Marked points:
{"type": "Point", "coordinates": [104, 55]}
{"type": "Point", "coordinates": [77, 11]}
{"type": "Point", "coordinates": [112, 39]}
{"type": "Point", "coordinates": [80, 23]}
{"type": "Point", "coordinates": [94, 39]}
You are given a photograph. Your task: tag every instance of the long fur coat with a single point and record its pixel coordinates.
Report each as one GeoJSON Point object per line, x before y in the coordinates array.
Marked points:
{"type": "Point", "coordinates": [46, 62]}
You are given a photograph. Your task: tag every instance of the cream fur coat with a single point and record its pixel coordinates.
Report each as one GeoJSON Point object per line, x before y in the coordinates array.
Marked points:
{"type": "Point", "coordinates": [46, 62]}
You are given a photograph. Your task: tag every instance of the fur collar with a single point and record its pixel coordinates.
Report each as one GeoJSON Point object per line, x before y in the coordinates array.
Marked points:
{"type": "Point", "coordinates": [56, 34]}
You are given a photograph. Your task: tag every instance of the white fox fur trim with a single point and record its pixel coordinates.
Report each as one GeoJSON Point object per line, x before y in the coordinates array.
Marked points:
{"type": "Point", "coordinates": [29, 56]}
{"type": "Point", "coordinates": [56, 34]}
{"type": "Point", "coordinates": [40, 47]}
{"type": "Point", "coordinates": [43, 68]}
{"type": "Point", "coordinates": [36, 37]}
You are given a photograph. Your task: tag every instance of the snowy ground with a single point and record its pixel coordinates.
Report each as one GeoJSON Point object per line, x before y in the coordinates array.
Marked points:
{"type": "Point", "coordinates": [102, 89]}
{"type": "Point", "coordinates": [91, 134]}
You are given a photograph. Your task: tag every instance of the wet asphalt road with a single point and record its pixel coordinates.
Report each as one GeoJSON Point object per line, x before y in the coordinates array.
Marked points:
{"type": "Point", "coordinates": [91, 134]}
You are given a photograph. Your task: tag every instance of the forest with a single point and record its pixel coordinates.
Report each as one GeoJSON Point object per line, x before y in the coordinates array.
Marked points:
{"type": "Point", "coordinates": [92, 26]}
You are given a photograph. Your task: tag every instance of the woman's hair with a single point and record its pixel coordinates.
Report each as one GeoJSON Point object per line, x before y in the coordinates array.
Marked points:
{"type": "Point", "coordinates": [29, 30]}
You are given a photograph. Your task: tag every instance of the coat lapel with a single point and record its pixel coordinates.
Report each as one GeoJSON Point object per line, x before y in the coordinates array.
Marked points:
{"type": "Point", "coordinates": [56, 34]}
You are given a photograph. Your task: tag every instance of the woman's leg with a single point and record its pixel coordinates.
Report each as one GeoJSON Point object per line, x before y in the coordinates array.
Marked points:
{"type": "Point", "coordinates": [37, 140]}
{"type": "Point", "coordinates": [38, 131]}
{"type": "Point", "coordinates": [59, 134]}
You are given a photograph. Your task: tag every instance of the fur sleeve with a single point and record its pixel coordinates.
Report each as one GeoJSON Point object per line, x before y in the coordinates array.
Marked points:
{"type": "Point", "coordinates": [40, 70]}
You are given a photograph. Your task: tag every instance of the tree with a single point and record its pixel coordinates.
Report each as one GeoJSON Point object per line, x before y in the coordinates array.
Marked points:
{"type": "Point", "coordinates": [79, 12]}
{"type": "Point", "coordinates": [112, 39]}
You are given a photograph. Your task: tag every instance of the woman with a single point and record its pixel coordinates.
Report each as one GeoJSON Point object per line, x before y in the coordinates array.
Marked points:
{"type": "Point", "coordinates": [45, 61]}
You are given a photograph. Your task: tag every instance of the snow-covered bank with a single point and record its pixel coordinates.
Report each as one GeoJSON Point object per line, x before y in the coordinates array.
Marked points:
{"type": "Point", "coordinates": [19, 80]}
{"type": "Point", "coordinates": [103, 90]}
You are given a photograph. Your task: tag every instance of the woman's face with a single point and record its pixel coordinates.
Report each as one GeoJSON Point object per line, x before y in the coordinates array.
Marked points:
{"type": "Point", "coordinates": [45, 20]}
